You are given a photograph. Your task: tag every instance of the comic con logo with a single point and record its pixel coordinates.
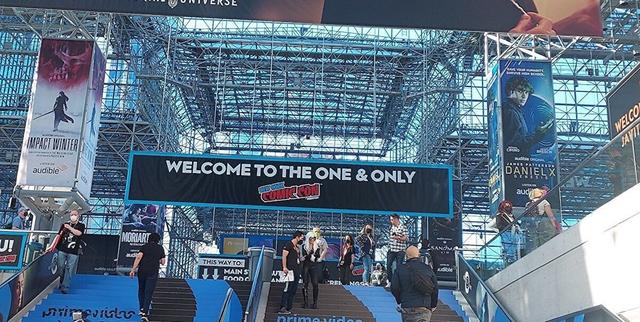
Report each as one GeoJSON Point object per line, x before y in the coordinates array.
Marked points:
{"type": "Point", "coordinates": [280, 192]}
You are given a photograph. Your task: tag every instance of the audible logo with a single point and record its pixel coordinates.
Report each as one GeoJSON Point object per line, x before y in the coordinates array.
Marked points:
{"type": "Point", "coordinates": [46, 170]}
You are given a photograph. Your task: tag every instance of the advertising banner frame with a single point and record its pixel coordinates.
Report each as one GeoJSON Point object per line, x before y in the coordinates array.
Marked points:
{"type": "Point", "coordinates": [614, 93]}
{"type": "Point", "coordinates": [577, 18]}
{"type": "Point", "coordinates": [447, 168]}
{"type": "Point", "coordinates": [21, 253]}
{"type": "Point", "coordinates": [531, 156]}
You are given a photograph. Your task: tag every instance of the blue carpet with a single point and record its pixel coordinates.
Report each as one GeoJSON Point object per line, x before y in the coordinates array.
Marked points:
{"type": "Point", "coordinates": [115, 299]}
{"type": "Point", "coordinates": [382, 304]}
{"type": "Point", "coordinates": [209, 296]}
{"type": "Point", "coordinates": [379, 302]}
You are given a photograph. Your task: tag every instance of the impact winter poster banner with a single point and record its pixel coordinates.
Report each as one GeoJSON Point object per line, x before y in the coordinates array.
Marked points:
{"type": "Point", "coordinates": [91, 123]}
{"type": "Point", "coordinates": [52, 139]}
{"type": "Point", "coordinates": [529, 138]}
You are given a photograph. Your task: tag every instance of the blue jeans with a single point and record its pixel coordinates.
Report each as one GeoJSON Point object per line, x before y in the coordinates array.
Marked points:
{"type": "Point", "coordinates": [67, 265]}
{"type": "Point", "coordinates": [367, 262]}
{"type": "Point", "coordinates": [146, 286]}
{"type": "Point", "coordinates": [393, 258]}
{"type": "Point", "coordinates": [289, 292]}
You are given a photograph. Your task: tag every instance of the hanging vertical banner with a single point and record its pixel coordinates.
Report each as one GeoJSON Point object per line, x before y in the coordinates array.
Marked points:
{"type": "Point", "coordinates": [496, 175]}
{"type": "Point", "coordinates": [445, 234]}
{"type": "Point", "coordinates": [53, 133]}
{"type": "Point", "coordinates": [91, 124]}
{"type": "Point", "coordinates": [529, 139]}
{"type": "Point", "coordinates": [138, 222]}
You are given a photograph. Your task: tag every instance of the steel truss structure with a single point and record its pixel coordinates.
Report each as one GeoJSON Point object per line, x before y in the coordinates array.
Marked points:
{"type": "Point", "coordinates": [290, 90]}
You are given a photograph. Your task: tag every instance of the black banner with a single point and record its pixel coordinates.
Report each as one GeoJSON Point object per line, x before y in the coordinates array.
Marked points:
{"type": "Point", "coordinates": [22, 288]}
{"type": "Point", "coordinates": [444, 236]}
{"type": "Point", "coordinates": [574, 18]}
{"type": "Point", "coordinates": [624, 106]}
{"type": "Point", "coordinates": [12, 245]}
{"type": "Point", "coordinates": [99, 254]}
{"type": "Point", "coordinates": [270, 183]}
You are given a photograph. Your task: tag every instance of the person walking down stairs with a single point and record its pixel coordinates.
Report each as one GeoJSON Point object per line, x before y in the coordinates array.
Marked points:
{"type": "Point", "coordinates": [147, 263]}
{"type": "Point", "coordinates": [415, 288]}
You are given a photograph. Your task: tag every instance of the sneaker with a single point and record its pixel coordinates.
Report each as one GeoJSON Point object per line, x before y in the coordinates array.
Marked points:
{"type": "Point", "coordinates": [141, 313]}
{"type": "Point", "coordinates": [143, 317]}
{"type": "Point", "coordinates": [284, 311]}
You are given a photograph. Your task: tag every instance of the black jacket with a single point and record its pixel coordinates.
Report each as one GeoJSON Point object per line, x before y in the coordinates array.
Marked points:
{"type": "Point", "coordinates": [402, 285]}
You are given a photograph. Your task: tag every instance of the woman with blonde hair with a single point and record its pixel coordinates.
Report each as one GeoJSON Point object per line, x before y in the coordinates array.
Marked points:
{"type": "Point", "coordinates": [367, 245]}
{"type": "Point", "coordinates": [546, 225]}
{"type": "Point", "coordinates": [314, 251]}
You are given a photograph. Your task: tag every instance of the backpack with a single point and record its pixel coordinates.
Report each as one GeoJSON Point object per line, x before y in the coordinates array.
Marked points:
{"type": "Point", "coordinates": [421, 283]}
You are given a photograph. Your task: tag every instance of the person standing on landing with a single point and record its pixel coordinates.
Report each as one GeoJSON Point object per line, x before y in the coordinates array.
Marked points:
{"type": "Point", "coordinates": [68, 246]}
{"type": "Point", "coordinates": [148, 262]}
{"type": "Point", "coordinates": [367, 245]}
{"type": "Point", "coordinates": [398, 236]}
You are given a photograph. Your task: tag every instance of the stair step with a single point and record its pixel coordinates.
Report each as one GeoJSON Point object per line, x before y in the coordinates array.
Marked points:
{"type": "Point", "coordinates": [170, 318]}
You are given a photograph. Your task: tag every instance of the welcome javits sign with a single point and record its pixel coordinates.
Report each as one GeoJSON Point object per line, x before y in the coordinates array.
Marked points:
{"type": "Point", "coordinates": [290, 184]}
{"type": "Point", "coordinates": [624, 107]}
{"type": "Point", "coordinates": [567, 17]}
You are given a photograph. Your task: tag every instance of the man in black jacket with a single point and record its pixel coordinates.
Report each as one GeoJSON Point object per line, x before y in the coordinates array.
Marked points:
{"type": "Point", "coordinates": [415, 305]}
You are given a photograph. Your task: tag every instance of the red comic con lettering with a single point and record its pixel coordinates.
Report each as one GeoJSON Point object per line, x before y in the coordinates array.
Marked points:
{"type": "Point", "coordinates": [8, 259]}
{"type": "Point", "coordinates": [278, 195]}
{"type": "Point", "coordinates": [309, 190]}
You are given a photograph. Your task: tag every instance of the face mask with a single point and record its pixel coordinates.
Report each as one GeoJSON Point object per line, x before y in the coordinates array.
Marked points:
{"type": "Point", "coordinates": [300, 242]}
{"type": "Point", "coordinates": [74, 218]}
{"type": "Point", "coordinates": [368, 230]}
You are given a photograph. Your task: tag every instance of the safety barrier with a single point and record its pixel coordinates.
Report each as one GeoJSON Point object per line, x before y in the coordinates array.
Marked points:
{"type": "Point", "coordinates": [225, 315]}
{"type": "Point", "coordinates": [256, 290]}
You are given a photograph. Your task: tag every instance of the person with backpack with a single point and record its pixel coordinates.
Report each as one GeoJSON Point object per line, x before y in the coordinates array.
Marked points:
{"type": "Point", "coordinates": [415, 288]}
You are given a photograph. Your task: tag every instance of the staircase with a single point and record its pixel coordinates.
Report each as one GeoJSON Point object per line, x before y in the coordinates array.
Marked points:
{"type": "Point", "coordinates": [243, 290]}
{"type": "Point", "coordinates": [173, 300]}
{"type": "Point", "coordinates": [334, 302]}
{"type": "Point", "coordinates": [115, 299]}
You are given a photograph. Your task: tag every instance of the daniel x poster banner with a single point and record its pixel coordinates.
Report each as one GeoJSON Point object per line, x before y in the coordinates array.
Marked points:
{"type": "Point", "coordinates": [529, 138]}
{"type": "Point", "coordinates": [290, 184]}
{"type": "Point", "coordinates": [548, 17]}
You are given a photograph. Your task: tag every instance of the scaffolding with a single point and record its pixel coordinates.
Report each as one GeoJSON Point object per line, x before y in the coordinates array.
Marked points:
{"type": "Point", "coordinates": [178, 84]}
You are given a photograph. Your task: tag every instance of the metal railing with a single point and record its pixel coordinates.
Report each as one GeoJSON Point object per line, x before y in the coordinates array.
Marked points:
{"type": "Point", "coordinates": [36, 243]}
{"type": "Point", "coordinates": [224, 312]}
{"type": "Point", "coordinates": [25, 286]}
{"type": "Point", "coordinates": [256, 290]}
{"type": "Point", "coordinates": [598, 179]}
{"type": "Point", "coordinates": [478, 295]}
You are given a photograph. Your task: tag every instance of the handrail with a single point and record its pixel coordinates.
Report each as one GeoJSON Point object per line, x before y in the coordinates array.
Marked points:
{"type": "Point", "coordinates": [38, 273]}
{"type": "Point", "coordinates": [256, 288]}
{"type": "Point", "coordinates": [581, 166]}
{"type": "Point", "coordinates": [482, 284]}
{"type": "Point", "coordinates": [225, 306]}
